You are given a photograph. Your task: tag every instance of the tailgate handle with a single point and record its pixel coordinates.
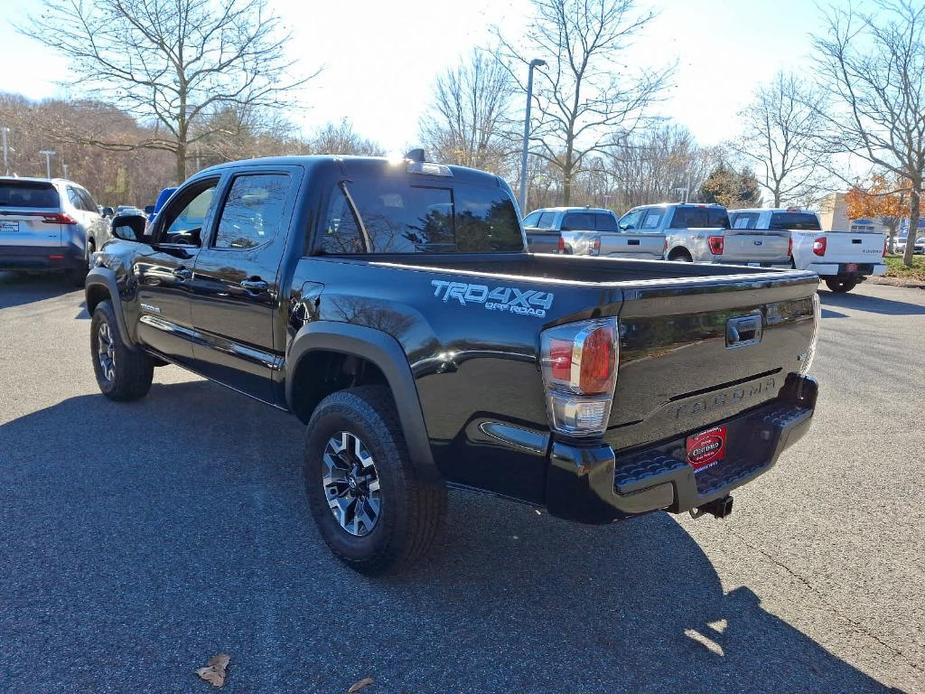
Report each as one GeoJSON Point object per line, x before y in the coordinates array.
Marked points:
{"type": "Point", "coordinates": [855, 240]}
{"type": "Point", "coordinates": [743, 331]}
{"type": "Point", "coordinates": [632, 242]}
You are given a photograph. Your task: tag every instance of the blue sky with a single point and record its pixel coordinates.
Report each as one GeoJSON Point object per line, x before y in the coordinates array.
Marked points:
{"type": "Point", "coordinates": [380, 58]}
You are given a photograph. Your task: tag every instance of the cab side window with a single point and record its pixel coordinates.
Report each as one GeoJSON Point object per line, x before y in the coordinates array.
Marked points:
{"type": "Point", "coordinates": [183, 220]}
{"type": "Point", "coordinates": [253, 211]}
{"type": "Point", "coordinates": [531, 219]}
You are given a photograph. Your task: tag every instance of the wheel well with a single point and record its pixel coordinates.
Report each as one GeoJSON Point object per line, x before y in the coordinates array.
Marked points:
{"type": "Point", "coordinates": [95, 294]}
{"type": "Point", "coordinates": [678, 252]}
{"type": "Point", "coordinates": [321, 372]}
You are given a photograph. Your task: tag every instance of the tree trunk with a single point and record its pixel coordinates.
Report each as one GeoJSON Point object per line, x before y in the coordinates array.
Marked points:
{"type": "Point", "coordinates": [181, 162]}
{"type": "Point", "coordinates": [913, 224]}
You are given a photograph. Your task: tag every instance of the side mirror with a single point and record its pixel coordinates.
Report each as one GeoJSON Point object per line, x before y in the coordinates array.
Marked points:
{"type": "Point", "coordinates": [624, 226]}
{"type": "Point", "coordinates": [149, 210]}
{"type": "Point", "coordinates": [108, 212]}
{"type": "Point", "coordinates": [129, 227]}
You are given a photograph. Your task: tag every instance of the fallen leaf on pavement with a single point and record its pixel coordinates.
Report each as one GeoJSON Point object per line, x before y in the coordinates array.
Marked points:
{"type": "Point", "coordinates": [214, 671]}
{"type": "Point", "coordinates": [362, 684]}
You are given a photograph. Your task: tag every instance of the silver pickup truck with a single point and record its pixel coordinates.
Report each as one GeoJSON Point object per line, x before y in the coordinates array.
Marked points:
{"type": "Point", "coordinates": [701, 233]}
{"type": "Point", "coordinates": [588, 231]}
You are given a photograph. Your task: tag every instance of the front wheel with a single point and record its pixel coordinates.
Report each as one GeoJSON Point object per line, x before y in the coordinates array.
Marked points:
{"type": "Point", "coordinates": [121, 373]}
{"type": "Point", "coordinates": [368, 500]}
{"type": "Point", "coordinates": [840, 286]}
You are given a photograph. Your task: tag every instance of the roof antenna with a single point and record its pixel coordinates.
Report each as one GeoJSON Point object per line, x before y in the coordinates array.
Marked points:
{"type": "Point", "coordinates": [416, 155]}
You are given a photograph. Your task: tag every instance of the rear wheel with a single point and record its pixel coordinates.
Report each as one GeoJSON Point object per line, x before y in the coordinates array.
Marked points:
{"type": "Point", "coordinates": [121, 373]}
{"type": "Point", "coordinates": [372, 508]}
{"type": "Point", "coordinates": [840, 286]}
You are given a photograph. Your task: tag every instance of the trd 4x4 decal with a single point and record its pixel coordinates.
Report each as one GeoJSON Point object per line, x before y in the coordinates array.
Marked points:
{"type": "Point", "coordinates": [523, 302]}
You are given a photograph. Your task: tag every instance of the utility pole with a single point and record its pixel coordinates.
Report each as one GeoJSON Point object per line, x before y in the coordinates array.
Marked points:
{"type": "Point", "coordinates": [535, 63]}
{"type": "Point", "coordinates": [64, 168]}
{"type": "Point", "coordinates": [5, 134]}
{"type": "Point", "coordinates": [48, 154]}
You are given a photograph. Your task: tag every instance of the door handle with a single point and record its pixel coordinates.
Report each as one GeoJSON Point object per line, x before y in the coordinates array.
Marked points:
{"type": "Point", "coordinates": [183, 273]}
{"type": "Point", "coordinates": [255, 285]}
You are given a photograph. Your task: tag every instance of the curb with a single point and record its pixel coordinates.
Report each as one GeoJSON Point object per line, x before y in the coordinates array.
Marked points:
{"type": "Point", "coordinates": [897, 282]}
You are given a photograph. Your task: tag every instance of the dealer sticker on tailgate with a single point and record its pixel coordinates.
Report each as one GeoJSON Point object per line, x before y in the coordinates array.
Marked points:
{"type": "Point", "coordinates": [706, 448]}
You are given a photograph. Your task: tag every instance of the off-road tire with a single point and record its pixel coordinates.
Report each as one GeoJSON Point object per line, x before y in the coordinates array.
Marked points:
{"type": "Point", "coordinates": [412, 509]}
{"type": "Point", "coordinates": [840, 286]}
{"type": "Point", "coordinates": [132, 370]}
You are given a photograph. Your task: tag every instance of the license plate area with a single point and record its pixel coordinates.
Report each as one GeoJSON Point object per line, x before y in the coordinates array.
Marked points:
{"type": "Point", "coordinates": [851, 267]}
{"type": "Point", "coordinates": [706, 448]}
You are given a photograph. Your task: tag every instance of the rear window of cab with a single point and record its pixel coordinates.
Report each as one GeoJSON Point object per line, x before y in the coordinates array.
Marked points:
{"type": "Point", "coordinates": [383, 215]}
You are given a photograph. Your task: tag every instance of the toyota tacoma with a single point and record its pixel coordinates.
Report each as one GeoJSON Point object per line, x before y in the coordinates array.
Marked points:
{"type": "Point", "coordinates": [392, 307]}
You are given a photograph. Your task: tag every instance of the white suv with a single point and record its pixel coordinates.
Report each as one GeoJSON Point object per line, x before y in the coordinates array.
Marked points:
{"type": "Point", "coordinates": [49, 224]}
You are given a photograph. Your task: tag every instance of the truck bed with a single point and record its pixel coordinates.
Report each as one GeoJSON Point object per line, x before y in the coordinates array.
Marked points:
{"type": "Point", "coordinates": [567, 269]}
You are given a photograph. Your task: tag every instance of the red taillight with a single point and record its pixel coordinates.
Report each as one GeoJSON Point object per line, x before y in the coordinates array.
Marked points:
{"type": "Point", "coordinates": [790, 247]}
{"type": "Point", "coordinates": [560, 247]}
{"type": "Point", "coordinates": [596, 361]}
{"type": "Point", "coordinates": [819, 246]}
{"type": "Point", "coordinates": [717, 243]}
{"type": "Point", "coordinates": [54, 217]}
{"type": "Point", "coordinates": [596, 246]}
{"type": "Point", "coordinates": [579, 364]}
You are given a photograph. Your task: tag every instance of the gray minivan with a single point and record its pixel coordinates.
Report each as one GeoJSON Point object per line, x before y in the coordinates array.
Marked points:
{"type": "Point", "coordinates": [49, 225]}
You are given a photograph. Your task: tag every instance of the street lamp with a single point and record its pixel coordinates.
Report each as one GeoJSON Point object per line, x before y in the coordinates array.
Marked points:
{"type": "Point", "coordinates": [523, 157]}
{"type": "Point", "coordinates": [48, 154]}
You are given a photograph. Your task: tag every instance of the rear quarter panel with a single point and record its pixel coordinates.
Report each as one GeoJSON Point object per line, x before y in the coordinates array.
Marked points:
{"type": "Point", "coordinates": [475, 367]}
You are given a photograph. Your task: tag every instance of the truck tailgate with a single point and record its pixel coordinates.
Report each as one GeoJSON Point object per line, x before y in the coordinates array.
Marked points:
{"type": "Point", "coordinates": [756, 246]}
{"type": "Point", "coordinates": [696, 352]}
{"type": "Point", "coordinates": [632, 245]}
{"type": "Point", "coordinates": [850, 247]}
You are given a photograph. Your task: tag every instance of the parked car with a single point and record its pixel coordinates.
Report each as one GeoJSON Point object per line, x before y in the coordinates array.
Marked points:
{"type": "Point", "coordinates": [48, 225]}
{"type": "Point", "coordinates": [589, 231]}
{"type": "Point", "coordinates": [701, 233]}
{"type": "Point", "coordinates": [841, 258]}
{"type": "Point", "coordinates": [900, 245]}
{"type": "Point", "coordinates": [394, 309]}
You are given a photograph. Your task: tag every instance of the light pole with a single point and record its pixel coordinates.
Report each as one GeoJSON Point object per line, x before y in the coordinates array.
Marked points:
{"type": "Point", "coordinates": [5, 134]}
{"type": "Point", "coordinates": [48, 154]}
{"type": "Point", "coordinates": [536, 62]}
{"type": "Point", "coordinates": [64, 169]}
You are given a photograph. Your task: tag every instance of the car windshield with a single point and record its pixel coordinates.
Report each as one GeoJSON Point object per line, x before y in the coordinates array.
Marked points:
{"type": "Point", "coordinates": [28, 194]}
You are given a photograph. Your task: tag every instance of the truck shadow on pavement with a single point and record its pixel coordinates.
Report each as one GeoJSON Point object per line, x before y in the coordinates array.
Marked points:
{"type": "Point", "coordinates": [872, 304]}
{"type": "Point", "coordinates": [19, 289]}
{"type": "Point", "coordinates": [141, 539]}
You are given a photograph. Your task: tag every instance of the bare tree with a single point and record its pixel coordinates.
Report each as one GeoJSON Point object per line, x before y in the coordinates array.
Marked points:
{"type": "Point", "coordinates": [468, 122]}
{"type": "Point", "coordinates": [173, 63]}
{"type": "Point", "coordinates": [582, 99]}
{"type": "Point", "coordinates": [872, 70]}
{"type": "Point", "coordinates": [341, 138]}
{"type": "Point", "coordinates": [778, 139]}
{"type": "Point", "coordinates": [658, 164]}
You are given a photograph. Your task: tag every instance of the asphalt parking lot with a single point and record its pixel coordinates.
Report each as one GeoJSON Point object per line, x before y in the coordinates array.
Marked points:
{"type": "Point", "coordinates": [140, 539]}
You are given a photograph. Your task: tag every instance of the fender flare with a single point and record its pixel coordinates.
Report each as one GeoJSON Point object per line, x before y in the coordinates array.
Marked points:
{"type": "Point", "coordinates": [104, 277]}
{"type": "Point", "coordinates": [387, 354]}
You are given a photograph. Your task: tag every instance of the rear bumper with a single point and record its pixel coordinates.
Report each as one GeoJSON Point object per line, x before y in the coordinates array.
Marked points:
{"type": "Point", "coordinates": [41, 258]}
{"type": "Point", "coordinates": [841, 270]}
{"type": "Point", "coordinates": [592, 484]}
{"type": "Point", "coordinates": [774, 264]}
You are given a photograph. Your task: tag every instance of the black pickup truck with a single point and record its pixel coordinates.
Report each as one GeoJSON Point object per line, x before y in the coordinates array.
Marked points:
{"type": "Point", "coordinates": [391, 306]}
